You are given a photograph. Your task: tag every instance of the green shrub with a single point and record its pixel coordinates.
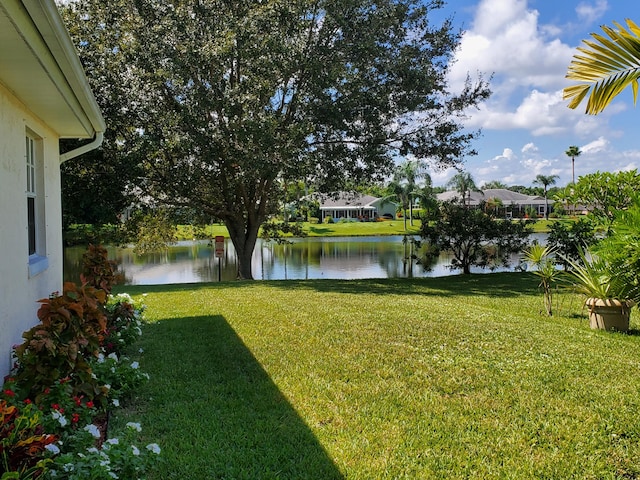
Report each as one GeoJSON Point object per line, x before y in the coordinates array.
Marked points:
{"type": "Point", "coordinates": [328, 220]}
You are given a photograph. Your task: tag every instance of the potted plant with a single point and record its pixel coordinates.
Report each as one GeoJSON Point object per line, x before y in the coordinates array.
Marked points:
{"type": "Point", "coordinates": [608, 291]}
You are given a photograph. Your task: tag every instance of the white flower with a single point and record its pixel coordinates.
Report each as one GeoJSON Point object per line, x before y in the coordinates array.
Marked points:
{"type": "Point", "coordinates": [93, 375]}
{"type": "Point", "coordinates": [113, 441]}
{"type": "Point", "coordinates": [93, 430]}
{"type": "Point", "coordinates": [135, 365]}
{"type": "Point", "coordinates": [68, 467]}
{"type": "Point", "coordinates": [61, 418]}
{"type": "Point", "coordinates": [92, 450]}
{"type": "Point", "coordinates": [101, 358]}
{"type": "Point", "coordinates": [53, 448]}
{"type": "Point", "coordinates": [134, 426]}
{"type": "Point", "coordinates": [107, 386]}
{"type": "Point", "coordinates": [141, 351]}
{"type": "Point", "coordinates": [113, 475]}
{"type": "Point", "coordinates": [113, 356]}
{"type": "Point", "coordinates": [154, 447]}
{"type": "Point", "coordinates": [115, 402]}
{"type": "Point", "coordinates": [135, 450]}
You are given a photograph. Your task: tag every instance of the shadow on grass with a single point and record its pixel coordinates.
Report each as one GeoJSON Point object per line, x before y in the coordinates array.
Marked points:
{"type": "Point", "coordinates": [508, 284]}
{"type": "Point", "coordinates": [320, 230]}
{"type": "Point", "coordinates": [216, 412]}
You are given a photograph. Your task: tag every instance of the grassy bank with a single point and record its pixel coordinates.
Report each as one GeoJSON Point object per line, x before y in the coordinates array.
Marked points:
{"type": "Point", "coordinates": [432, 378]}
{"type": "Point", "coordinates": [350, 229]}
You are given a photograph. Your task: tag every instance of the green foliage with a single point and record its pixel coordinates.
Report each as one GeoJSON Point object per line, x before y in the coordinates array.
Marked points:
{"type": "Point", "coordinates": [605, 67]}
{"type": "Point", "coordinates": [622, 248]}
{"type": "Point", "coordinates": [567, 239]}
{"type": "Point", "coordinates": [153, 231]}
{"type": "Point", "coordinates": [473, 237]}
{"type": "Point", "coordinates": [542, 258]}
{"type": "Point", "coordinates": [596, 277]}
{"type": "Point", "coordinates": [22, 442]}
{"type": "Point", "coordinates": [250, 95]}
{"type": "Point", "coordinates": [603, 194]}
{"type": "Point", "coordinates": [71, 328]}
{"type": "Point", "coordinates": [124, 322]}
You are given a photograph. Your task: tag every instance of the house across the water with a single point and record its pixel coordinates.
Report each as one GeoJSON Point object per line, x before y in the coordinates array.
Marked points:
{"type": "Point", "coordinates": [513, 204]}
{"type": "Point", "coordinates": [354, 207]}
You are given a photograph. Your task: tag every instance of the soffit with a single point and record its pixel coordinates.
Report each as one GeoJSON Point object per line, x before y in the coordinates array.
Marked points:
{"type": "Point", "coordinates": [35, 66]}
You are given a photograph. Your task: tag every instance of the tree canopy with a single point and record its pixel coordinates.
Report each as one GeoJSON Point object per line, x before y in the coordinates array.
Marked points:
{"type": "Point", "coordinates": [222, 103]}
{"type": "Point", "coordinates": [473, 237]}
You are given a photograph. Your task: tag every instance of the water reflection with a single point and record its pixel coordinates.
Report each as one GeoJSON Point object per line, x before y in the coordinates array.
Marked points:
{"type": "Point", "coordinates": [304, 258]}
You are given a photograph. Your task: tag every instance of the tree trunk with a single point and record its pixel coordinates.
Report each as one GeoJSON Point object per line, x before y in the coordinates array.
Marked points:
{"type": "Point", "coordinates": [244, 239]}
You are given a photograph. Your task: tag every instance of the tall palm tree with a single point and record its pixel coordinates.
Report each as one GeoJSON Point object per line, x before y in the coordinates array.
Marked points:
{"type": "Point", "coordinates": [464, 184]}
{"type": "Point", "coordinates": [573, 152]}
{"type": "Point", "coordinates": [605, 67]}
{"type": "Point", "coordinates": [545, 181]}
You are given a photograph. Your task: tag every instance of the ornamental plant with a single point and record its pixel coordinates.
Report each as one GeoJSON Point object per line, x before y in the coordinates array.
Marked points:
{"type": "Point", "coordinates": [124, 322]}
{"type": "Point", "coordinates": [71, 329]}
{"type": "Point", "coordinates": [118, 457]}
{"type": "Point", "coordinates": [542, 258]}
{"type": "Point", "coordinates": [97, 270]}
{"type": "Point", "coordinates": [23, 442]}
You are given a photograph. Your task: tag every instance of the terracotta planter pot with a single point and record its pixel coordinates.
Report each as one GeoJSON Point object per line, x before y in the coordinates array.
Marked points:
{"type": "Point", "coordinates": [609, 314]}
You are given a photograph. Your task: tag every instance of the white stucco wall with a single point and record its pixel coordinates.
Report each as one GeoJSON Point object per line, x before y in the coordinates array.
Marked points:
{"type": "Point", "coordinates": [19, 291]}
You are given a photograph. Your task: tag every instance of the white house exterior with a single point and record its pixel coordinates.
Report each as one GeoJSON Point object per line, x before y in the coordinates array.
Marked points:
{"type": "Point", "coordinates": [353, 206]}
{"type": "Point", "coordinates": [44, 96]}
{"type": "Point", "coordinates": [514, 203]}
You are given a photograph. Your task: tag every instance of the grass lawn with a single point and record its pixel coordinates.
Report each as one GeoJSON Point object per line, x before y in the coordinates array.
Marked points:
{"type": "Point", "coordinates": [339, 229]}
{"type": "Point", "coordinates": [454, 377]}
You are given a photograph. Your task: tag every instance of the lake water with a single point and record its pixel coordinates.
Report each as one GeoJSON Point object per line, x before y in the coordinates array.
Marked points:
{"type": "Point", "coordinates": [303, 258]}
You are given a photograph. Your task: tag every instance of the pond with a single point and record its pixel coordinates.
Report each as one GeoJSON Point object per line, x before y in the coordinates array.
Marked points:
{"type": "Point", "coordinates": [303, 258]}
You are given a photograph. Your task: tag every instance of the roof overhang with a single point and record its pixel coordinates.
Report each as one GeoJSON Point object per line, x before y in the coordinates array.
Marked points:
{"type": "Point", "coordinates": [40, 66]}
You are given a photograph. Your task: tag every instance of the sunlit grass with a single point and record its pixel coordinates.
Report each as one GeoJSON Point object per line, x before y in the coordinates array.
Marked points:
{"type": "Point", "coordinates": [433, 378]}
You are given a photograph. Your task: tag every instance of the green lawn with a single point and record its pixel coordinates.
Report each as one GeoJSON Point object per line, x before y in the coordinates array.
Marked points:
{"type": "Point", "coordinates": [348, 229]}
{"type": "Point", "coordinates": [427, 378]}
{"type": "Point", "coordinates": [339, 229]}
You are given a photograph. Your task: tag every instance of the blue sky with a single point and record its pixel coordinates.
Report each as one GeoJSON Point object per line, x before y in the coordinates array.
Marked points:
{"type": "Point", "coordinates": [527, 46]}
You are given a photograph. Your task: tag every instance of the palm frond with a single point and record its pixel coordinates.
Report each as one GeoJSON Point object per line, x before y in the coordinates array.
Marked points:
{"type": "Point", "coordinates": [606, 66]}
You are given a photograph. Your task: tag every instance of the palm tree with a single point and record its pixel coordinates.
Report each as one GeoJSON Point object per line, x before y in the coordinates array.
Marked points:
{"type": "Point", "coordinates": [545, 181]}
{"type": "Point", "coordinates": [464, 184]}
{"type": "Point", "coordinates": [605, 67]}
{"type": "Point", "coordinates": [404, 186]}
{"type": "Point", "coordinates": [573, 152]}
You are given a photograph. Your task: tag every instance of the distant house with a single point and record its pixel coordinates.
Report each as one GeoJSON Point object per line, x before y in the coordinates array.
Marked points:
{"type": "Point", "coordinates": [44, 96]}
{"type": "Point", "coordinates": [514, 204]}
{"type": "Point", "coordinates": [354, 206]}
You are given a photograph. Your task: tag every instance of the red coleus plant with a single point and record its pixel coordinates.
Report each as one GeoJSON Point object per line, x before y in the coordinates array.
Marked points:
{"type": "Point", "coordinates": [71, 329]}
{"type": "Point", "coordinates": [22, 441]}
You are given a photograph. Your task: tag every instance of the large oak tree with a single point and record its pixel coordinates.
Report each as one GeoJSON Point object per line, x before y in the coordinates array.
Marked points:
{"type": "Point", "coordinates": [227, 100]}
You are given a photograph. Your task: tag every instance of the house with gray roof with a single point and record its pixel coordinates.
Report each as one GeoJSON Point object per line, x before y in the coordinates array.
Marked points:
{"type": "Point", "coordinates": [515, 204]}
{"type": "Point", "coordinates": [354, 206]}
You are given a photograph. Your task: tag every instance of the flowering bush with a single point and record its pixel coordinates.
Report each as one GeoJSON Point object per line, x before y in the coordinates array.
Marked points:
{"type": "Point", "coordinates": [119, 375]}
{"type": "Point", "coordinates": [68, 372]}
{"type": "Point", "coordinates": [124, 321]}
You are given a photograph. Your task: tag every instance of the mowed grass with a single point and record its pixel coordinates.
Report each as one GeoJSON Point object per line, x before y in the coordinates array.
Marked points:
{"type": "Point", "coordinates": [456, 377]}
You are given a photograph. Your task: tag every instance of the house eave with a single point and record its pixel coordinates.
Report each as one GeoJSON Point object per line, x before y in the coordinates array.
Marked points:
{"type": "Point", "coordinates": [40, 67]}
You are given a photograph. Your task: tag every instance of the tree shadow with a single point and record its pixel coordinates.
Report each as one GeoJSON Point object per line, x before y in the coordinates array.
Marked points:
{"type": "Point", "coordinates": [205, 381]}
{"type": "Point", "coordinates": [504, 284]}
{"type": "Point", "coordinates": [320, 230]}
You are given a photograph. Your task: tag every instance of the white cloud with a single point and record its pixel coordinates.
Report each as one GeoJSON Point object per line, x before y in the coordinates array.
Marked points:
{"type": "Point", "coordinates": [590, 12]}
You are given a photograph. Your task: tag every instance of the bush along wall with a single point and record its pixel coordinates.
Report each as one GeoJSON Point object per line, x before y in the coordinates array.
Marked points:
{"type": "Point", "coordinates": [70, 372]}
